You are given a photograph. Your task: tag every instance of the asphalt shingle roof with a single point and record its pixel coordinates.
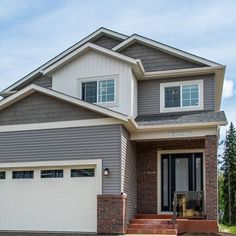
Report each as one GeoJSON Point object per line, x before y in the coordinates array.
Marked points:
{"type": "Point", "coordinates": [182, 118]}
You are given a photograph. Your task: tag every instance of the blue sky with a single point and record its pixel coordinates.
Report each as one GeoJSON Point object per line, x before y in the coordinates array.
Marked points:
{"type": "Point", "coordinates": [32, 32]}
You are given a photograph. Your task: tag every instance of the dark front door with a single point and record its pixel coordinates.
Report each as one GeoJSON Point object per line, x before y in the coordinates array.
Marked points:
{"type": "Point", "coordinates": [180, 172]}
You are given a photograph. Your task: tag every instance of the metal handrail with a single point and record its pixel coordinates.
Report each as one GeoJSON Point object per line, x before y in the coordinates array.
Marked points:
{"type": "Point", "coordinates": [195, 198]}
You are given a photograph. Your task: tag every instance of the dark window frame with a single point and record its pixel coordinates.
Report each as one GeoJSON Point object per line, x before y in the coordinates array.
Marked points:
{"type": "Point", "coordinates": [2, 174]}
{"type": "Point", "coordinates": [23, 174]}
{"type": "Point", "coordinates": [83, 172]}
{"type": "Point", "coordinates": [52, 174]}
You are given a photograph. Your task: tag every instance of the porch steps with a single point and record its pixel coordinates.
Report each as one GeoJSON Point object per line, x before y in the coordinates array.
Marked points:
{"type": "Point", "coordinates": [152, 224]}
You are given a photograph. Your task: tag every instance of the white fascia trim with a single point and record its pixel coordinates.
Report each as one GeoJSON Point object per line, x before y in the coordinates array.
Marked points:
{"type": "Point", "coordinates": [67, 51]}
{"type": "Point", "coordinates": [164, 47]}
{"type": "Point", "coordinates": [182, 72]}
{"type": "Point", "coordinates": [174, 126]}
{"type": "Point", "coordinates": [33, 88]}
{"type": "Point", "coordinates": [86, 47]}
{"type": "Point", "coordinates": [60, 124]}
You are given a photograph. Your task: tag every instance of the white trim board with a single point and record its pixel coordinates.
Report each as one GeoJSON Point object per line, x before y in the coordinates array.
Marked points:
{"type": "Point", "coordinates": [60, 124]}
{"type": "Point", "coordinates": [50, 163]}
{"type": "Point", "coordinates": [163, 47]}
{"type": "Point", "coordinates": [95, 34]}
{"type": "Point", "coordinates": [173, 134]}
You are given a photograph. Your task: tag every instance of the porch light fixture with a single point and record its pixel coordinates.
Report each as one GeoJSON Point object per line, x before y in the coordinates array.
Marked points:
{"type": "Point", "coordinates": [106, 172]}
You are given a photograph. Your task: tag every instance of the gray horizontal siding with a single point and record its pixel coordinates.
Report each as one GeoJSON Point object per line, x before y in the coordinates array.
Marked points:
{"type": "Point", "coordinates": [149, 93]}
{"type": "Point", "coordinates": [37, 108]}
{"type": "Point", "coordinates": [106, 41]}
{"type": "Point", "coordinates": [45, 82]}
{"type": "Point", "coordinates": [128, 173]}
{"type": "Point", "coordinates": [98, 142]}
{"type": "Point", "coordinates": [156, 60]}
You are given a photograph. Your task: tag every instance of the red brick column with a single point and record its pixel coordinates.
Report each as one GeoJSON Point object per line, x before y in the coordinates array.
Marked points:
{"type": "Point", "coordinates": [111, 214]}
{"type": "Point", "coordinates": [211, 143]}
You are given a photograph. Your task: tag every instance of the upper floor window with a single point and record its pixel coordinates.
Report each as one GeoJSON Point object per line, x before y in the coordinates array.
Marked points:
{"type": "Point", "coordinates": [181, 96]}
{"type": "Point", "coordinates": [99, 91]}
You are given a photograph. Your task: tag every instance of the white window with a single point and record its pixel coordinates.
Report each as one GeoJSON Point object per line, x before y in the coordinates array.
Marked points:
{"type": "Point", "coordinates": [181, 96]}
{"type": "Point", "coordinates": [101, 90]}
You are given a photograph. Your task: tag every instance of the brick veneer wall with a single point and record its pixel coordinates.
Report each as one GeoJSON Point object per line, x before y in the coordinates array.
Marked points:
{"type": "Point", "coordinates": [111, 214]}
{"type": "Point", "coordinates": [211, 177]}
{"type": "Point", "coordinates": [147, 172]}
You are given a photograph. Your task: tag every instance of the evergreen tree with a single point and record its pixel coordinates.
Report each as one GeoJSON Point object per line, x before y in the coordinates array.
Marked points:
{"type": "Point", "coordinates": [229, 175]}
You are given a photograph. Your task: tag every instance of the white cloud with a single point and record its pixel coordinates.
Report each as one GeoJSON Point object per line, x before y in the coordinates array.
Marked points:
{"type": "Point", "coordinates": [228, 88]}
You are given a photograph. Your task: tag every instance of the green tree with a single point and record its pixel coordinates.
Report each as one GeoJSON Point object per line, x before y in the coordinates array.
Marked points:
{"type": "Point", "coordinates": [229, 176]}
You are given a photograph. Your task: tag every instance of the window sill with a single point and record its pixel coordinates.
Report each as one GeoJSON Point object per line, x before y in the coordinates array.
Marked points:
{"type": "Point", "coordinates": [107, 104]}
{"type": "Point", "coordinates": [180, 109]}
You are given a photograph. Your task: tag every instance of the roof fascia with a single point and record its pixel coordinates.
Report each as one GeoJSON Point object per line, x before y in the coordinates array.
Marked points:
{"type": "Point", "coordinates": [35, 88]}
{"type": "Point", "coordinates": [181, 72]}
{"type": "Point", "coordinates": [85, 48]}
{"type": "Point", "coordinates": [164, 47]}
{"type": "Point", "coordinates": [65, 52]}
{"type": "Point", "coordinates": [138, 127]}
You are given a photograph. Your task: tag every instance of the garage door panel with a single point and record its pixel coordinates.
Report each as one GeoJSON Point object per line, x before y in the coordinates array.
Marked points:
{"type": "Point", "coordinates": [49, 204]}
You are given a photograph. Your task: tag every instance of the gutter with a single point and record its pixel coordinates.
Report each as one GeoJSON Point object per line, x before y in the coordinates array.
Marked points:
{"type": "Point", "coordinates": [137, 127]}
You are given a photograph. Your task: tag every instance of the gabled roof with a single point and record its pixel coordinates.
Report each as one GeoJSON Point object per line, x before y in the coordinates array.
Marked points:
{"type": "Point", "coordinates": [35, 88]}
{"type": "Point", "coordinates": [171, 50]}
{"type": "Point", "coordinates": [96, 34]}
{"type": "Point", "coordinates": [90, 46]}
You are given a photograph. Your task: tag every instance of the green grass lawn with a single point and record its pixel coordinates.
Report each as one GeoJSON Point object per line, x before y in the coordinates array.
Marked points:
{"type": "Point", "coordinates": [228, 229]}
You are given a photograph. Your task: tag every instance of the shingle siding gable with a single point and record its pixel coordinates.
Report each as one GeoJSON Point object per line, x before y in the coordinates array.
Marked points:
{"type": "Point", "coordinates": [39, 108]}
{"type": "Point", "coordinates": [156, 60]}
{"type": "Point", "coordinates": [106, 41]}
{"type": "Point", "coordinates": [45, 82]}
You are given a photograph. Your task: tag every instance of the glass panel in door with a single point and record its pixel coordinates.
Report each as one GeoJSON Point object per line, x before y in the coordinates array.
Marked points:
{"type": "Point", "coordinates": [181, 174]}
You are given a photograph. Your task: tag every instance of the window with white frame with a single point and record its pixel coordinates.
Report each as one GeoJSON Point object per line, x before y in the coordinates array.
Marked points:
{"type": "Point", "coordinates": [178, 96]}
{"type": "Point", "coordinates": [102, 90]}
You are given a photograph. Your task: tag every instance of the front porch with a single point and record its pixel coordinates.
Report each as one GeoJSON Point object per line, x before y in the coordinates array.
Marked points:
{"type": "Point", "coordinates": [178, 177]}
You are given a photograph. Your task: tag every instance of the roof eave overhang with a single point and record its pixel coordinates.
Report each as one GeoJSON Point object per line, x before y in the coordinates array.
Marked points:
{"type": "Point", "coordinates": [138, 127]}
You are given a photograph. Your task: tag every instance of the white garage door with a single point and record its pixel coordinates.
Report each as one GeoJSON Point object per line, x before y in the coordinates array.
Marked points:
{"type": "Point", "coordinates": [53, 198]}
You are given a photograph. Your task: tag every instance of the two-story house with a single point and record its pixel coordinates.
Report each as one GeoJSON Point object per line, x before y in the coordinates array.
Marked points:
{"type": "Point", "coordinates": [116, 134]}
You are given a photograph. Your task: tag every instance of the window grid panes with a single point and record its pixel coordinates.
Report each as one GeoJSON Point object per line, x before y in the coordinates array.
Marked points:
{"type": "Point", "coordinates": [182, 96]}
{"type": "Point", "coordinates": [28, 174]}
{"type": "Point", "coordinates": [51, 174]}
{"type": "Point", "coordinates": [106, 91]}
{"type": "Point", "coordinates": [190, 95]}
{"type": "Point", "coordinates": [89, 91]}
{"type": "Point", "coordinates": [172, 96]}
{"type": "Point", "coordinates": [2, 175]}
{"type": "Point", "coordinates": [98, 91]}
{"type": "Point", "coordinates": [82, 172]}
